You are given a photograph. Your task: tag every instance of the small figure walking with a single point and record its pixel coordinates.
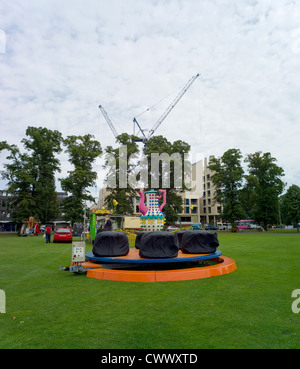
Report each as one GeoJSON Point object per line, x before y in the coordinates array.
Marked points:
{"type": "Point", "coordinates": [48, 234]}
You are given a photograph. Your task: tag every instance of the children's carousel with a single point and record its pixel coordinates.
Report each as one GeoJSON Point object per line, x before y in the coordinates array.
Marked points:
{"type": "Point", "coordinates": [158, 256]}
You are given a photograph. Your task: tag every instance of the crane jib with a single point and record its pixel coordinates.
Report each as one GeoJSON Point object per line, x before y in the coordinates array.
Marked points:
{"type": "Point", "coordinates": [160, 120]}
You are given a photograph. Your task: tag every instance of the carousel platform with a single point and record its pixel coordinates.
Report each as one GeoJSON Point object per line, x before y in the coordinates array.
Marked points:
{"type": "Point", "coordinates": [133, 268]}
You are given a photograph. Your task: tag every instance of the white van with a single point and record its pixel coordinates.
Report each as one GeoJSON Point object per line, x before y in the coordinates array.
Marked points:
{"type": "Point", "coordinates": [222, 226]}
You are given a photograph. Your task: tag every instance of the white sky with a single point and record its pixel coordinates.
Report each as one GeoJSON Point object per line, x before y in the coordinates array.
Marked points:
{"type": "Point", "coordinates": [60, 59]}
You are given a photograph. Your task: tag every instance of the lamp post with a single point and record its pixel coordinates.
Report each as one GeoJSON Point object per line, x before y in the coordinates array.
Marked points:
{"type": "Point", "coordinates": [84, 220]}
{"type": "Point", "coordinates": [113, 203]}
{"type": "Point", "coordinates": [279, 212]}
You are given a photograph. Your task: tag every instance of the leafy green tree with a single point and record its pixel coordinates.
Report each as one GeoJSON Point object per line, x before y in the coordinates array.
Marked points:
{"type": "Point", "coordinates": [83, 151]}
{"type": "Point", "coordinates": [18, 173]}
{"type": "Point", "coordinates": [290, 206]}
{"type": "Point", "coordinates": [168, 179]}
{"type": "Point", "coordinates": [121, 163]}
{"type": "Point", "coordinates": [228, 178]}
{"type": "Point", "coordinates": [43, 145]}
{"type": "Point", "coordinates": [4, 145]}
{"type": "Point", "coordinates": [248, 196]}
{"type": "Point", "coordinates": [267, 184]}
{"type": "Point", "coordinates": [31, 175]}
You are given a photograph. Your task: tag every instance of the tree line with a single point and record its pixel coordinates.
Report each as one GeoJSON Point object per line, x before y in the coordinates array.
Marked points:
{"type": "Point", "coordinates": [30, 175]}
{"type": "Point", "coordinates": [256, 194]}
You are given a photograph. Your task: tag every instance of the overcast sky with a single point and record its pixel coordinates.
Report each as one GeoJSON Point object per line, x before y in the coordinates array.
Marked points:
{"type": "Point", "coordinates": [60, 59]}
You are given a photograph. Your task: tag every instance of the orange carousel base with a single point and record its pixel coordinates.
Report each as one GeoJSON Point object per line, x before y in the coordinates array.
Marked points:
{"type": "Point", "coordinates": [224, 265]}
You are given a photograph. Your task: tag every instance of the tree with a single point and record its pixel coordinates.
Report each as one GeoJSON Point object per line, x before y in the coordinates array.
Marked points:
{"type": "Point", "coordinates": [18, 173]}
{"type": "Point", "coordinates": [248, 196]}
{"type": "Point", "coordinates": [121, 163]}
{"type": "Point", "coordinates": [43, 145]}
{"type": "Point", "coordinates": [4, 145]}
{"type": "Point", "coordinates": [83, 151]}
{"type": "Point", "coordinates": [228, 177]}
{"type": "Point", "coordinates": [128, 172]}
{"type": "Point", "coordinates": [267, 183]}
{"type": "Point", "coordinates": [31, 175]}
{"type": "Point", "coordinates": [172, 179]}
{"type": "Point", "coordinates": [290, 206]}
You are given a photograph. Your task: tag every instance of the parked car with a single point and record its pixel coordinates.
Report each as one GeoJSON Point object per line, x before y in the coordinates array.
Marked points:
{"type": "Point", "coordinates": [224, 226]}
{"type": "Point", "coordinates": [172, 229]}
{"type": "Point", "coordinates": [63, 235]}
{"type": "Point", "coordinates": [256, 227]}
{"type": "Point", "coordinates": [196, 226]}
{"type": "Point", "coordinates": [210, 228]}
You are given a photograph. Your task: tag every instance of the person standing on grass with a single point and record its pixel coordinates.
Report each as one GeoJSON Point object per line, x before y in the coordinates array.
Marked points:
{"type": "Point", "coordinates": [48, 234]}
{"type": "Point", "coordinates": [37, 229]}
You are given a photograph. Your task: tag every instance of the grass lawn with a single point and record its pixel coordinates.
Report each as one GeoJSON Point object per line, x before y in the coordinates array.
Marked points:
{"type": "Point", "coordinates": [249, 308]}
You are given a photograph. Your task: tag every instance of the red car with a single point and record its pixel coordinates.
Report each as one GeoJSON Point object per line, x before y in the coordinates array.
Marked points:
{"type": "Point", "coordinates": [63, 235]}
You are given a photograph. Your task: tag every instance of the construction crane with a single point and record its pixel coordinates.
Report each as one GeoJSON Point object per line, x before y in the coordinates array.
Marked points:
{"type": "Point", "coordinates": [145, 138]}
{"type": "Point", "coordinates": [110, 123]}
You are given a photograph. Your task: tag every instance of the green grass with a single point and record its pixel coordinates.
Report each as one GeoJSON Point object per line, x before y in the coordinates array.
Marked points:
{"type": "Point", "coordinates": [285, 231]}
{"type": "Point", "coordinates": [249, 308]}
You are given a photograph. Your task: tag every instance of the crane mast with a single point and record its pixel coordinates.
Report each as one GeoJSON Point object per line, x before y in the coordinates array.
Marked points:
{"type": "Point", "coordinates": [137, 123]}
{"type": "Point", "coordinates": [145, 138]}
{"type": "Point", "coordinates": [172, 105]}
{"type": "Point", "coordinates": [168, 110]}
{"type": "Point", "coordinates": [110, 123]}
